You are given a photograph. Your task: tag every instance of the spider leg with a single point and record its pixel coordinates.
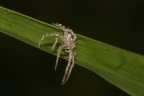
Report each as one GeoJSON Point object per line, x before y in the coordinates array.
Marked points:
{"type": "Point", "coordinates": [39, 42]}
{"type": "Point", "coordinates": [68, 69]}
{"type": "Point", "coordinates": [56, 40]}
{"type": "Point", "coordinates": [48, 35]}
{"type": "Point", "coordinates": [58, 55]}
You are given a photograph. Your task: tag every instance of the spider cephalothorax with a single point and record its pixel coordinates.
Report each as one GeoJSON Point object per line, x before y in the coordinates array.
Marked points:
{"type": "Point", "coordinates": [68, 46]}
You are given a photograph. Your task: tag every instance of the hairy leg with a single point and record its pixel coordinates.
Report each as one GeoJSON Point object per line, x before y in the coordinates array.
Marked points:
{"type": "Point", "coordinates": [58, 55]}
{"type": "Point", "coordinates": [70, 69]}
{"type": "Point", "coordinates": [39, 42]}
{"type": "Point", "coordinates": [56, 40]}
{"type": "Point", "coordinates": [67, 70]}
{"type": "Point", "coordinates": [48, 35]}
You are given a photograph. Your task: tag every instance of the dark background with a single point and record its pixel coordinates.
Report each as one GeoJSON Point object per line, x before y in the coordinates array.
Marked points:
{"type": "Point", "coordinates": [25, 70]}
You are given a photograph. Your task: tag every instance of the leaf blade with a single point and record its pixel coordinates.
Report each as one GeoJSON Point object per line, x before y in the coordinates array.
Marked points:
{"type": "Point", "coordinates": [120, 67]}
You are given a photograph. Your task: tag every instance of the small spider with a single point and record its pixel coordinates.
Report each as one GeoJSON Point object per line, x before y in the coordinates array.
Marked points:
{"type": "Point", "coordinates": [68, 46]}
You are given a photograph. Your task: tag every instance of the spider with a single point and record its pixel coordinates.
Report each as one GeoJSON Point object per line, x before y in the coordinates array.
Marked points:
{"type": "Point", "coordinates": [68, 46]}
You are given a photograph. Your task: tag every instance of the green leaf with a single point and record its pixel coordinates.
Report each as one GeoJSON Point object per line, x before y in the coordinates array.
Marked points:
{"type": "Point", "coordinates": [122, 68]}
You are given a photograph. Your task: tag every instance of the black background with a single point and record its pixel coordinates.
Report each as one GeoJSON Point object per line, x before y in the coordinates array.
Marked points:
{"type": "Point", "coordinates": [25, 70]}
